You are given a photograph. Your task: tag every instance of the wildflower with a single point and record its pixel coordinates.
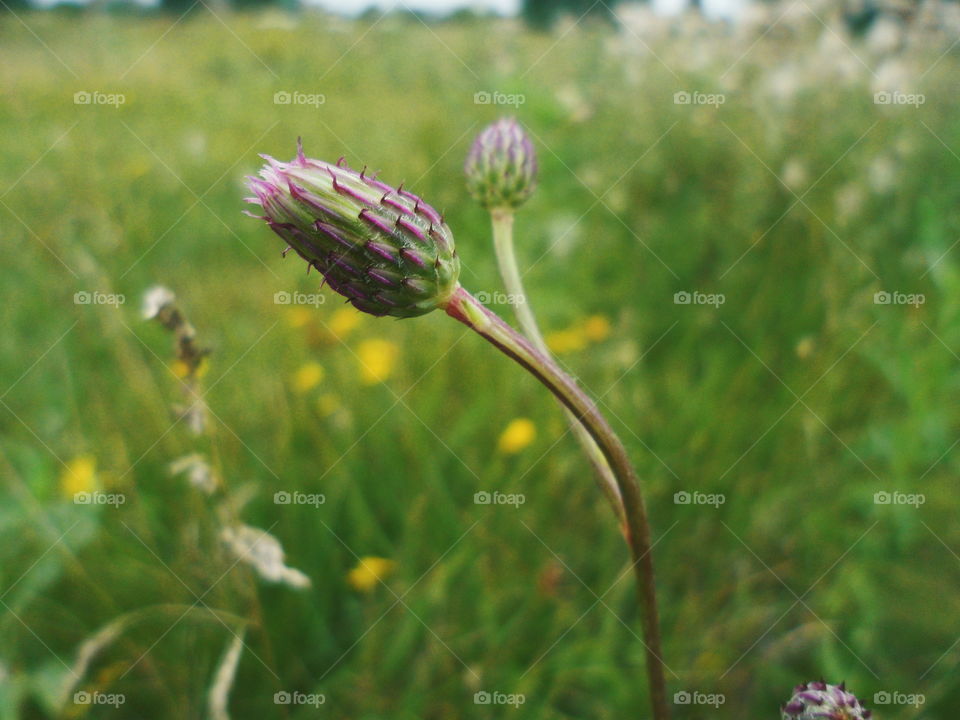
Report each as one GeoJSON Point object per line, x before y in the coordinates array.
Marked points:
{"type": "Point", "coordinates": [820, 701]}
{"type": "Point", "coordinates": [191, 363]}
{"type": "Point", "coordinates": [299, 317]}
{"type": "Point", "coordinates": [805, 347]}
{"type": "Point", "coordinates": [197, 470]}
{"type": "Point", "coordinates": [377, 360]}
{"type": "Point", "coordinates": [343, 322]}
{"type": "Point", "coordinates": [885, 36]}
{"type": "Point", "coordinates": [184, 369]}
{"type": "Point", "coordinates": [893, 75]}
{"type": "Point", "coordinates": [330, 214]}
{"type": "Point", "coordinates": [501, 167]}
{"type": "Point", "coordinates": [849, 199]}
{"type": "Point", "coordinates": [794, 175]}
{"type": "Point", "coordinates": [596, 328]}
{"type": "Point", "coordinates": [156, 299]}
{"type": "Point", "coordinates": [383, 248]}
{"type": "Point", "coordinates": [263, 552]}
{"type": "Point", "coordinates": [79, 476]}
{"type": "Point", "coordinates": [308, 377]}
{"type": "Point", "coordinates": [566, 341]}
{"type": "Point", "coordinates": [328, 404]}
{"type": "Point", "coordinates": [882, 175]}
{"type": "Point", "coordinates": [517, 436]}
{"type": "Point", "coordinates": [369, 573]}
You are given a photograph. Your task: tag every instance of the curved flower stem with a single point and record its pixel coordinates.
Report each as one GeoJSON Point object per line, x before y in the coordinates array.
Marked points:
{"type": "Point", "coordinates": [462, 306]}
{"type": "Point", "coordinates": [502, 220]}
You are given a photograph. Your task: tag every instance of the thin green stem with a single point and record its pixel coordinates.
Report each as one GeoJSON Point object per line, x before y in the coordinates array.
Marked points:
{"type": "Point", "coordinates": [467, 309]}
{"type": "Point", "coordinates": [502, 220]}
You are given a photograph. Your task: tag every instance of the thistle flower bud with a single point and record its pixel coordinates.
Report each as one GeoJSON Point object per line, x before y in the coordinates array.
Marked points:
{"type": "Point", "coordinates": [501, 166]}
{"type": "Point", "coordinates": [383, 248]}
{"type": "Point", "coordinates": [820, 701]}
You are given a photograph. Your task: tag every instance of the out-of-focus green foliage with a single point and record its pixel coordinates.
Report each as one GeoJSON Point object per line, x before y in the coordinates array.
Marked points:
{"type": "Point", "coordinates": [799, 398]}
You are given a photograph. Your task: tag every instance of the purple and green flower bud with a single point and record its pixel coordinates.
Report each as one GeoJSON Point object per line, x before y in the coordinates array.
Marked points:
{"type": "Point", "coordinates": [501, 167]}
{"type": "Point", "coordinates": [383, 248]}
{"type": "Point", "coordinates": [820, 701]}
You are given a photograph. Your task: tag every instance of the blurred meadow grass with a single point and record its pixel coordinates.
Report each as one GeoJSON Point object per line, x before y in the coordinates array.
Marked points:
{"type": "Point", "coordinates": [798, 398]}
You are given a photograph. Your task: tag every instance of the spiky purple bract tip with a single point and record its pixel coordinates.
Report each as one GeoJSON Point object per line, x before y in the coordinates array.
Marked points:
{"type": "Point", "coordinates": [501, 167]}
{"type": "Point", "coordinates": [383, 248]}
{"type": "Point", "coordinates": [821, 701]}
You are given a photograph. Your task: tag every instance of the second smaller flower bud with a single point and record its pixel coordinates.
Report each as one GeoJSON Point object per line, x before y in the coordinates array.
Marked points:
{"type": "Point", "coordinates": [501, 167]}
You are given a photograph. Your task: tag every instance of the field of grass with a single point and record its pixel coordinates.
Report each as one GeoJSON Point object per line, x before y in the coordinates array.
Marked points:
{"type": "Point", "coordinates": [797, 399]}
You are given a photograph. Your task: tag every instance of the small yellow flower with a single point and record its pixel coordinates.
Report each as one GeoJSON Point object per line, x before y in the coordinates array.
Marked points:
{"type": "Point", "coordinates": [596, 328]}
{"type": "Point", "coordinates": [343, 322]}
{"type": "Point", "coordinates": [566, 341]}
{"type": "Point", "coordinates": [183, 370]}
{"type": "Point", "coordinates": [80, 475]}
{"type": "Point", "coordinates": [517, 436]}
{"type": "Point", "coordinates": [369, 573]}
{"type": "Point", "coordinates": [307, 377]}
{"type": "Point", "coordinates": [328, 404]}
{"type": "Point", "coordinates": [298, 317]}
{"type": "Point", "coordinates": [377, 360]}
{"type": "Point", "coordinates": [180, 369]}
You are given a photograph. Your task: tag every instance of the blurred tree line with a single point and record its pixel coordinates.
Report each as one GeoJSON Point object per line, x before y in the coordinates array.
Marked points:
{"type": "Point", "coordinates": [542, 13]}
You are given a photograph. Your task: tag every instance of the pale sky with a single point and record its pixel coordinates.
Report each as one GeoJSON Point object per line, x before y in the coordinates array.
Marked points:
{"type": "Point", "coordinates": [714, 8]}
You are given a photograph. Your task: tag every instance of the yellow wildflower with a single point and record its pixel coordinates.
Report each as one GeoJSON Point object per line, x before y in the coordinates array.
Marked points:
{"type": "Point", "coordinates": [517, 436]}
{"type": "Point", "coordinates": [566, 341]}
{"type": "Point", "coordinates": [369, 573]}
{"type": "Point", "coordinates": [298, 317]}
{"type": "Point", "coordinates": [307, 377]}
{"type": "Point", "coordinates": [328, 404]}
{"type": "Point", "coordinates": [596, 328]}
{"type": "Point", "coordinates": [377, 360]}
{"type": "Point", "coordinates": [343, 322]}
{"type": "Point", "coordinates": [183, 370]}
{"type": "Point", "coordinates": [80, 475]}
